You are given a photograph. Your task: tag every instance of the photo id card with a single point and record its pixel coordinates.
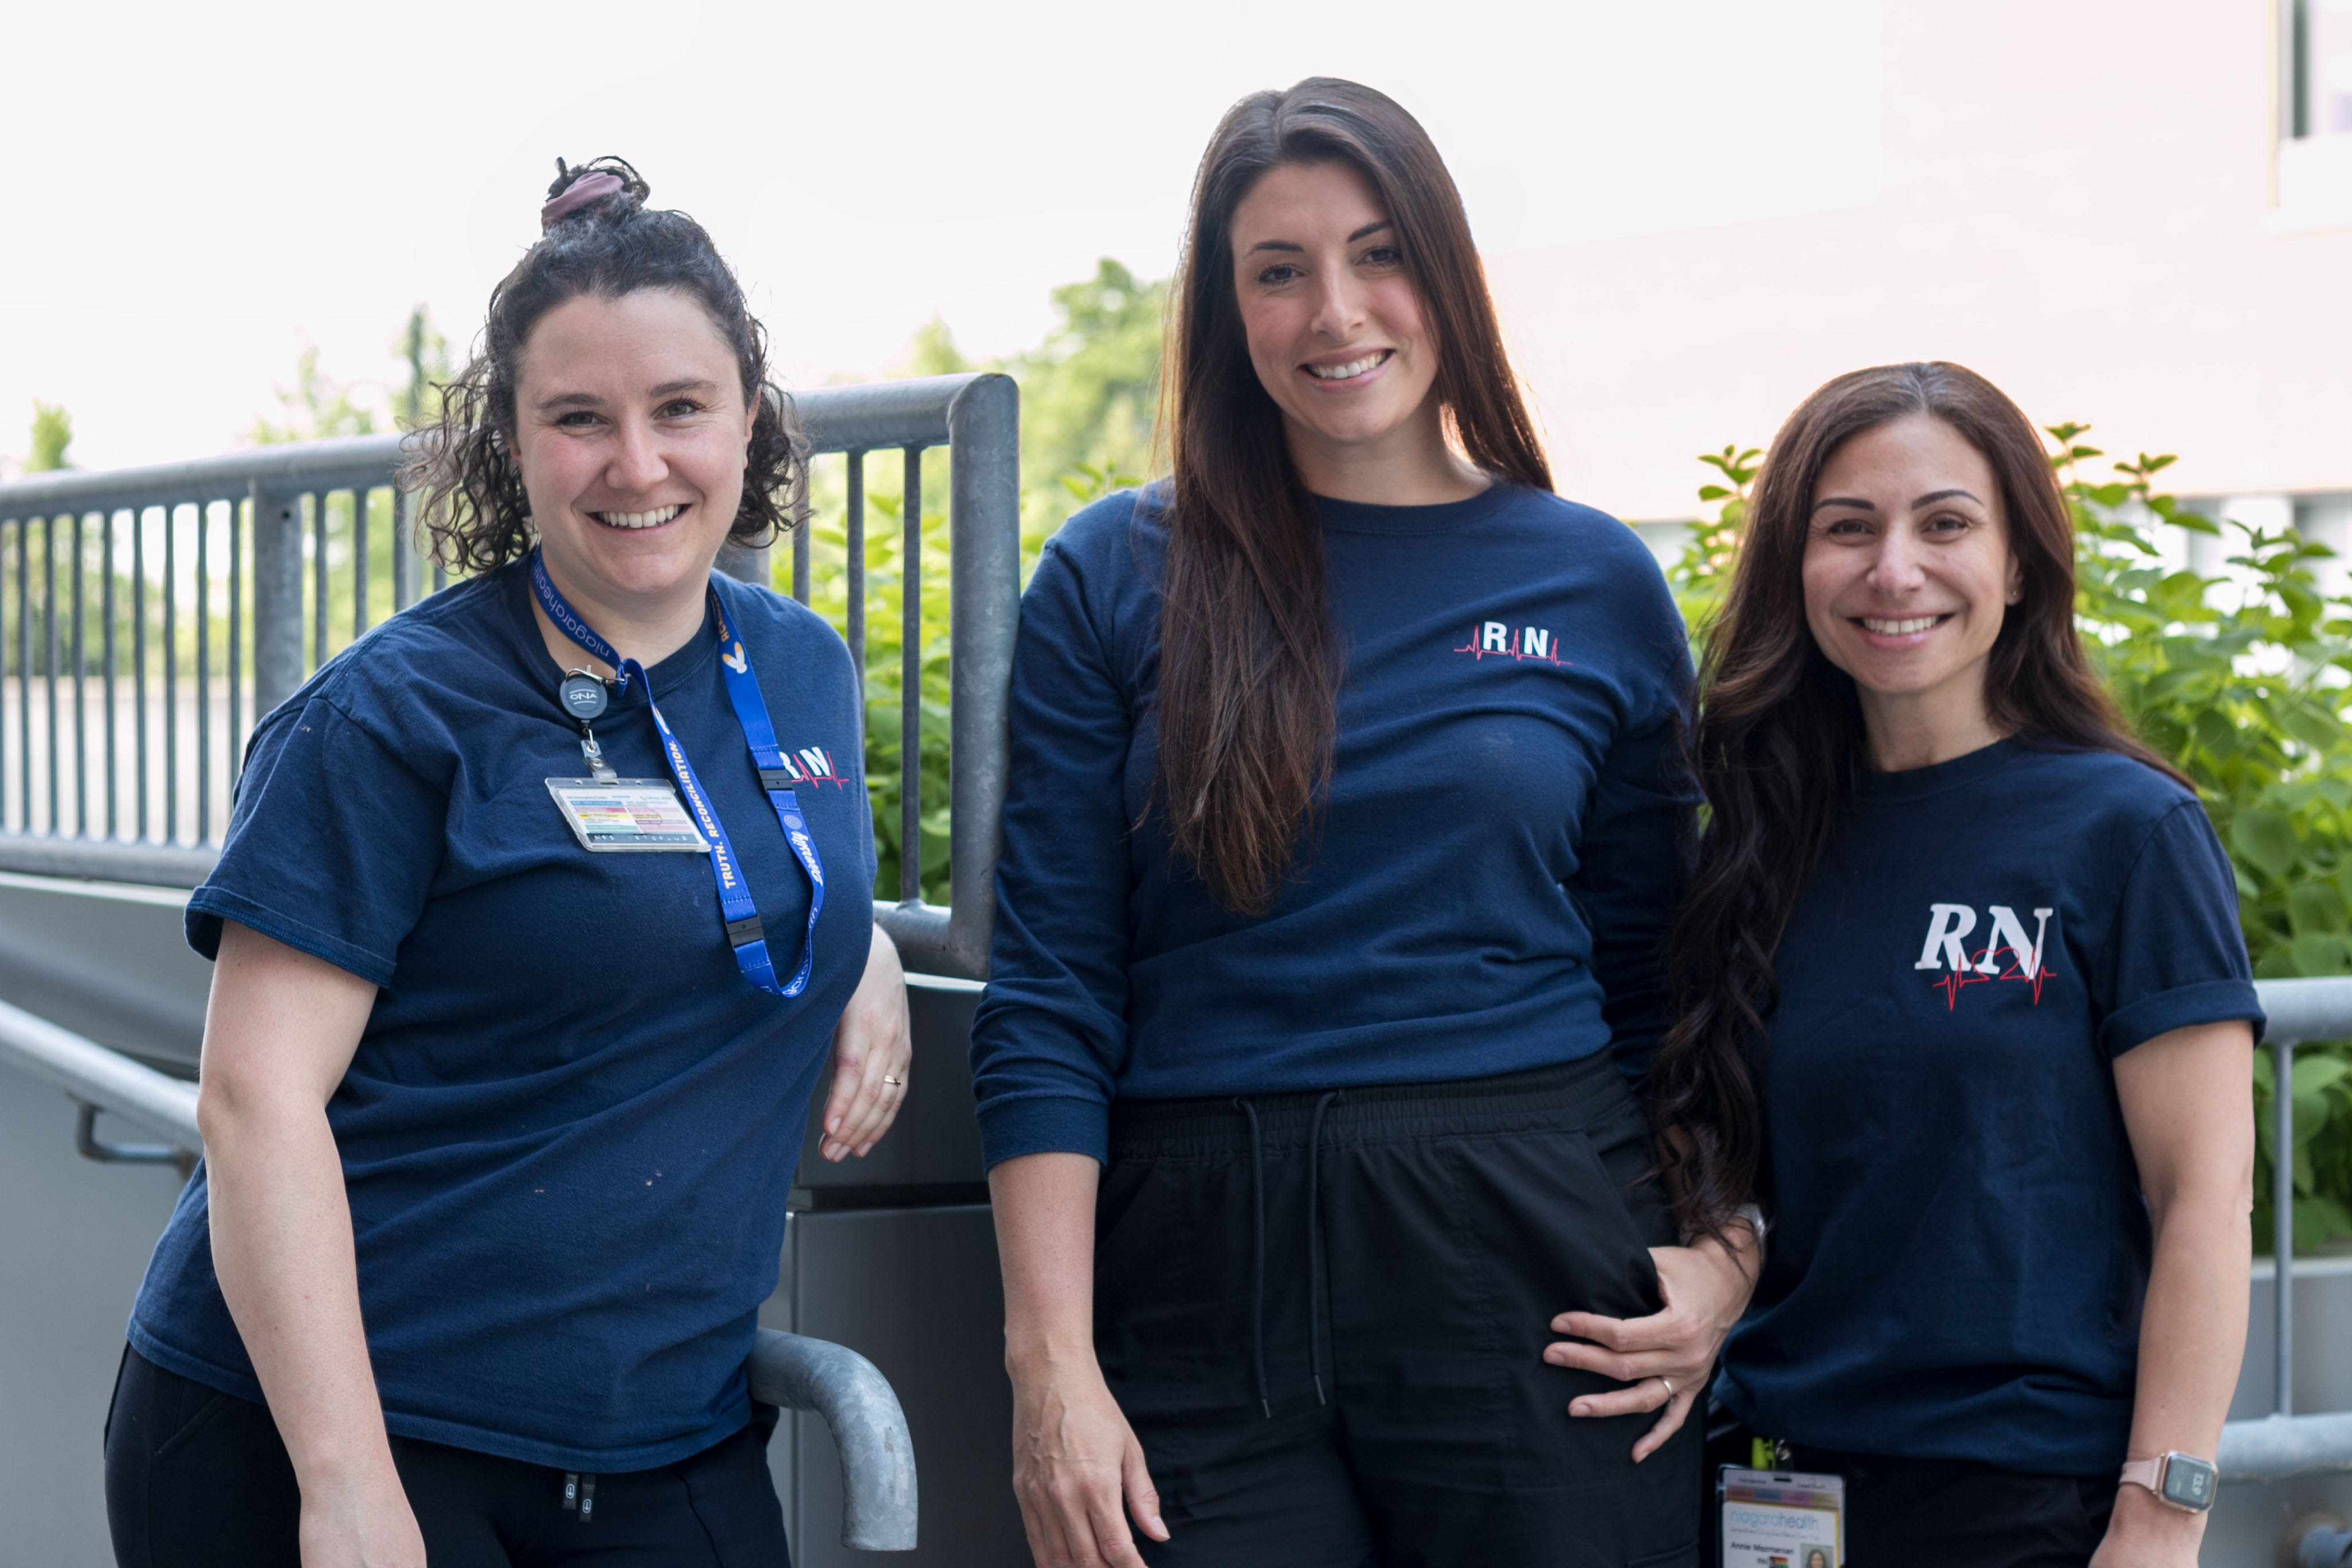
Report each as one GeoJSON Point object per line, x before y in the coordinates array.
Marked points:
{"type": "Point", "coordinates": [1778, 1519]}
{"type": "Point", "coordinates": [618, 816]}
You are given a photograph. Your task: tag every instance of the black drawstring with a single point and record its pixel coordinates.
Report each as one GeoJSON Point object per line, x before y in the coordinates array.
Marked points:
{"type": "Point", "coordinates": [1257, 1266]}
{"type": "Point", "coordinates": [1314, 1246]}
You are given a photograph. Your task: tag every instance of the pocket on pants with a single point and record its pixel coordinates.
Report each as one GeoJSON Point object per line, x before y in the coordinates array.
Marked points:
{"type": "Point", "coordinates": [1553, 1228]}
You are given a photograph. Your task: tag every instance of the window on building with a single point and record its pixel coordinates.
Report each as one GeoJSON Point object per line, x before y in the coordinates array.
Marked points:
{"type": "Point", "coordinates": [2314, 155]}
{"type": "Point", "coordinates": [2319, 68]}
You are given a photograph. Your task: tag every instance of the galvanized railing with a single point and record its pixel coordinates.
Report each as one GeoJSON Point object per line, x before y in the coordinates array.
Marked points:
{"type": "Point", "coordinates": [2284, 1444]}
{"type": "Point", "coordinates": [149, 616]}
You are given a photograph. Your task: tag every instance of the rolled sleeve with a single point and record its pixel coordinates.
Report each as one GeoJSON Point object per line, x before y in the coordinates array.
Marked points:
{"type": "Point", "coordinates": [2176, 956]}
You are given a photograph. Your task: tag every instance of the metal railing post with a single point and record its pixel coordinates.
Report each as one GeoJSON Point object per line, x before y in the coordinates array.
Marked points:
{"type": "Point", "coordinates": [984, 591]}
{"type": "Point", "coordinates": [746, 565]}
{"type": "Point", "coordinates": [277, 598]}
{"type": "Point", "coordinates": [2283, 1224]}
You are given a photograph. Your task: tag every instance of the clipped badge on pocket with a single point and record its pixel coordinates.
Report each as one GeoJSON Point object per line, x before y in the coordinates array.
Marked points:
{"type": "Point", "coordinates": [1779, 1518]}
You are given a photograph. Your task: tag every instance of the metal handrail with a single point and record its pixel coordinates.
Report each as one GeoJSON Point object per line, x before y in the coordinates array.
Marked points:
{"type": "Point", "coordinates": [2282, 1444]}
{"type": "Point", "coordinates": [975, 416]}
{"type": "Point", "coordinates": [792, 1372]}
{"type": "Point", "coordinates": [98, 1077]}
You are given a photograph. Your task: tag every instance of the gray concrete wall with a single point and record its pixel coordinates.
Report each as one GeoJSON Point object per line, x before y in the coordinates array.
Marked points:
{"type": "Point", "coordinates": [74, 1240]}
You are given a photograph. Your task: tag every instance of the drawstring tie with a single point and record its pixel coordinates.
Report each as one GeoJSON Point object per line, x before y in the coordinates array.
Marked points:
{"type": "Point", "coordinates": [1315, 1245]}
{"type": "Point", "coordinates": [1258, 1259]}
{"type": "Point", "coordinates": [1314, 1250]}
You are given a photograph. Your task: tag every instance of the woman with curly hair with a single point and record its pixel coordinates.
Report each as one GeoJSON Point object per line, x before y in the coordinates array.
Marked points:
{"type": "Point", "coordinates": [499, 1116]}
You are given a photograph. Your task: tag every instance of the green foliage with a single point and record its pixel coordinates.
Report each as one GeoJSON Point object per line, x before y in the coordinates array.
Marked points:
{"type": "Point", "coordinates": [1702, 574]}
{"type": "Point", "coordinates": [315, 407]}
{"type": "Point", "coordinates": [886, 577]}
{"type": "Point", "coordinates": [52, 434]}
{"type": "Point", "coordinates": [427, 354]}
{"type": "Point", "coordinates": [1088, 394]}
{"type": "Point", "coordinates": [2240, 681]}
{"type": "Point", "coordinates": [1086, 399]}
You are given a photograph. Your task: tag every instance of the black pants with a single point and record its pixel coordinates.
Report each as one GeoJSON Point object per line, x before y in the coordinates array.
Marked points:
{"type": "Point", "coordinates": [198, 1478]}
{"type": "Point", "coordinates": [1939, 1513]}
{"type": "Point", "coordinates": [1325, 1315]}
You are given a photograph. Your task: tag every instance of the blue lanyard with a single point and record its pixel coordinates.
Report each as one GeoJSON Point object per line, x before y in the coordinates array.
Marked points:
{"type": "Point", "coordinates": [744, 933]}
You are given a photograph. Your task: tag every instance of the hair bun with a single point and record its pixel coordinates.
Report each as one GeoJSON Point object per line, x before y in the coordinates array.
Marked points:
{"type": "Point", "coordinates": [580, 186]}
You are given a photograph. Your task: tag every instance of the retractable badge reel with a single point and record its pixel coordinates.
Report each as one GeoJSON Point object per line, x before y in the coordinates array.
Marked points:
{"type": "Point", "coordinates": [609, 814]}
{"type": "Point", "coordinates": [1781, 1519]}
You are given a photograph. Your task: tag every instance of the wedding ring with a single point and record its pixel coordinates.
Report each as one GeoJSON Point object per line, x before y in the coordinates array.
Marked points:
{"type": "Point", "coordinates": [888, 1079]}
{"type": "Point", "coordinates": [1669, 1385]}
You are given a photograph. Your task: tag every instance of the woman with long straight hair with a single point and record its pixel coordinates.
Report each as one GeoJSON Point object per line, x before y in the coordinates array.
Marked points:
{"type": "Point", "coordinates": [1978, 950]}
{"type": "Point", "coordinates": [1344, 826]}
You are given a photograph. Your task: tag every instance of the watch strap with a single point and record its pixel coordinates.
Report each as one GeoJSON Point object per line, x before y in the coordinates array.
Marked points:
{"type": "Point", "coordinates": [2147, 1473]}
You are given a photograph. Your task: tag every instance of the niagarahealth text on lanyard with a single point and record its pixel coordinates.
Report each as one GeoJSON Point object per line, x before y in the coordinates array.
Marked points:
{"type": "Point", "coordinates": [583, 698]}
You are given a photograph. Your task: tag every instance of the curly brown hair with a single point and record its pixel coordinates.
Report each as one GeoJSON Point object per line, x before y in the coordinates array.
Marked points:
{"type": "Point", "coordinates": [471, 504]}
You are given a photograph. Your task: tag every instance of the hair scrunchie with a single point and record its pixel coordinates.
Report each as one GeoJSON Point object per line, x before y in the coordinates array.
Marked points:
{"type": "Point", "coordinates": [578, 195]}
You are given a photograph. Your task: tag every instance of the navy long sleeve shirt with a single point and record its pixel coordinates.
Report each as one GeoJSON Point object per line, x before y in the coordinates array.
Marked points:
{"type": "Point", "coordinates": [1485, 888]}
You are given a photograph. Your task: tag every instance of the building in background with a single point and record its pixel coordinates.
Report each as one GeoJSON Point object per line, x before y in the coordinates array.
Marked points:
{"type": "Point", "coordinates": [2134, 215]}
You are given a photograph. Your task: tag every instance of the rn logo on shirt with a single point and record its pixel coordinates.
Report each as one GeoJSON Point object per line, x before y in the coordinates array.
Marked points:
{"type": "Point", "coordinates": [1494, 639]}
{"type": "Point", "coordinates": [814, 764]}
{"type": "Point", "coordinates": [2007, 953]}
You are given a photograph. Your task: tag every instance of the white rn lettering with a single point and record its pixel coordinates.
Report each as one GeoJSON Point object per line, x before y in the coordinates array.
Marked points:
{"type": "Point", "coordinates": [1948, 924]}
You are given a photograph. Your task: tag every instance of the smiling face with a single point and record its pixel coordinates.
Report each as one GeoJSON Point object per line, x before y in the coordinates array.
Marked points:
{"type": "Point", "coordinates": [630, 432]}
{"type": "Point", "coordinates": [1334, 325]}
{"type": "Point", "coordinates": [1907, 575]}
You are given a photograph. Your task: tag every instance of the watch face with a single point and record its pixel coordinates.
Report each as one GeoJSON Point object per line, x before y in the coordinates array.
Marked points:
{"type": "Point", "coordinates": [2188, 1483]}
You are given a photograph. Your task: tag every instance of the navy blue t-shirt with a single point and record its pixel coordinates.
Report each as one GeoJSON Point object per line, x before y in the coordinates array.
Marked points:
{"type": "Point", "coordinates": [571, 1125]}
{"type": "Point", "coordinates": [1486, 889]}
{"type": "Point", "coordinates": [1960, 1245]}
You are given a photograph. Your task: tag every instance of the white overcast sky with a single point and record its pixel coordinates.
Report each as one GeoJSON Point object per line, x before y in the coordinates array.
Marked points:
{"type": "Point", "coordinates": [197, 191]}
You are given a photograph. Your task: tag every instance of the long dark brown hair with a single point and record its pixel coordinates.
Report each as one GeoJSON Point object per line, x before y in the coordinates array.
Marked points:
{"type": "Point", "coordinates": [1779, 742]}
{"type": "Point", "coordinates": [471, 501]}
{"type": "Point", "coordinates": [1249, 666]}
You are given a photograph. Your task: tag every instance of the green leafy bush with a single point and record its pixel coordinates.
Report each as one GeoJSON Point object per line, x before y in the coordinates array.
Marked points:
{"type": "Point", "coordinates": [1087, 399]}
{"type": "Point", "coordinates": [2240, 679]}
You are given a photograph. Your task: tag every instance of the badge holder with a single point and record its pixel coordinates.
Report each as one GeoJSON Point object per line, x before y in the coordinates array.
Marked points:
{"type": "Point", "coordinates": [1781, 1519]}
{"type": "Point", "coordinates": [608, 814]}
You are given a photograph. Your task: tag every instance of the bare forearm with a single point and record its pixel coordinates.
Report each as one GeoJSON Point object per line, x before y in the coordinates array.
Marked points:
{"type": "Point", "coordinates": [281, 1236]}
{"type": "Point", "coordinates": [1045, 1207]}
{"type": "Point", "coordinates": [2192, 1326]}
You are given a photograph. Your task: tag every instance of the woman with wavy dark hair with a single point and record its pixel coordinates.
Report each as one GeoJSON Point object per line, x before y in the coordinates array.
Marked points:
{"type": "Point", "coordinates": [1344, 824]}
{"type": "Point", "coordinates": [525, 975]}
{"type": "Point", "coordinates": [1978, 951]}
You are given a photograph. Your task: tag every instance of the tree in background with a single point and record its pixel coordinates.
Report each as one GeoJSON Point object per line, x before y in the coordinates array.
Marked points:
{"type": "Point", "coordinates": [1089, 396]}
{"type": "Point", "coordinates": [318, 406]}
{"type": "Point", "coordinates": [52, 434]}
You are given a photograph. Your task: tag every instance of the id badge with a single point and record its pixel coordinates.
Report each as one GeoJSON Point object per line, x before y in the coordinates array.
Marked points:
{"type": "Point", "coordinates": [1779, 1518]}
{"type": "Point", "coordinates": [612, 816]}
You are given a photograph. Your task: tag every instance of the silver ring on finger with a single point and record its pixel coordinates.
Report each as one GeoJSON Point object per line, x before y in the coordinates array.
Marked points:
{"type": "Point", "coordinates": [893, 1082]}
{"type": "Point", "coordinates": [1667, 1383]}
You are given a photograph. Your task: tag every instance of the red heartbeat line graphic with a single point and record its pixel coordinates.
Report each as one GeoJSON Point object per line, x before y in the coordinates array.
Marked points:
{"type": "Point", "coordinates": [1475, 652]}
{"type": "Point", "coordinates": [1952, 984]}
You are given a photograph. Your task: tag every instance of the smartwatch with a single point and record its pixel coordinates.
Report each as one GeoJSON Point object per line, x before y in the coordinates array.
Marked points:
{"type": "Point", "coordinates": [2179, 1480]}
